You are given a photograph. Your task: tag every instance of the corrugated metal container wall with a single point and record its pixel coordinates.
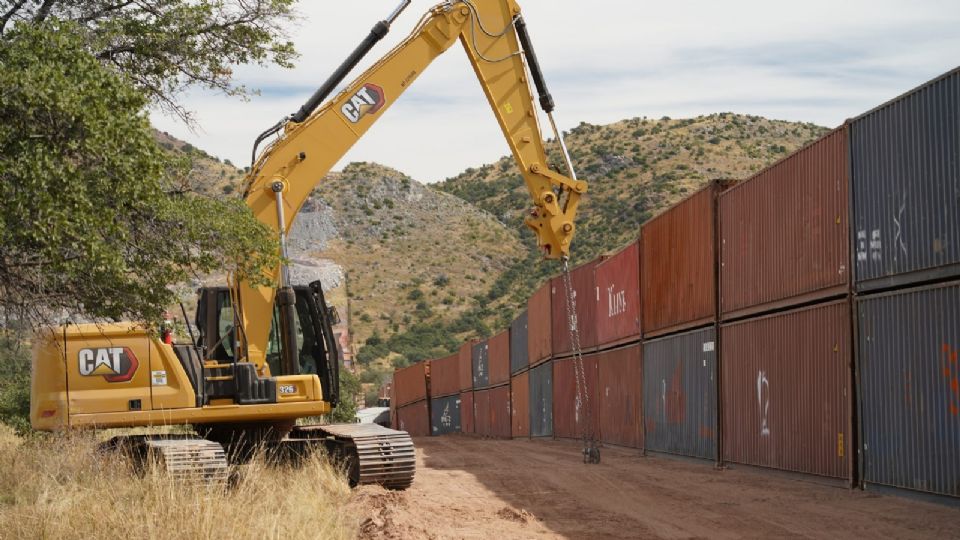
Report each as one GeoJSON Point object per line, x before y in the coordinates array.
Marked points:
{"type": "Point", "coordinates": [909, 343]}
{"type": "Point", "coordinates": [541, 400]}
{"type": "Point", "coordinates": [570, 417]}
{"type": "Point", "coordinates": [678, 265]}
{"type": "Point", "coordinates": [414, 419]}
{"type": "Point", "coordinates": [410, 383]}
{"type": "Point", "coordinates": [584, 286]}
{"type": "Point", "coordinates": [466, 366]}
{"type": "Point", "coordinates": [620, 396]}
{"type": "Point", "coordinates": [787, 391]}
{"type": "Point", "coordinates": [539, 325]}
{"type": "Point", "coordinates": [466, 413]}
{"type": "Point", "coordinates": [394, 421]}
{"type": "Point", "coordinates": [906, 172]}
{"type": "Point", "coordinates": [785, 233]}
{"type": "Point", "coordinates": [445, 415]}
{"type": "Point", "coordinates": [500, 417]}
{"type": "Point", "coordinates": [445, 376]}
{"type": "Point", "coordinates": [481, 364]}
{"type": "Point", "coordinates": [520, 405]}
{"type": "Point", "coordinates": [481, 412]}
{"type": "Point", "coordinates": [680, 394]}
{"type": "Point", "coordinates": [499, 355]}
{"type": "Point", "coordinates": [518, 344]}
{"type": "Point", "coordinates": [618, 297]}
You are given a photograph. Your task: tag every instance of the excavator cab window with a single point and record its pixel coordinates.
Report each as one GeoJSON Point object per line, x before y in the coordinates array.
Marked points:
{"type": "Point", "coordinates": [309, 348]}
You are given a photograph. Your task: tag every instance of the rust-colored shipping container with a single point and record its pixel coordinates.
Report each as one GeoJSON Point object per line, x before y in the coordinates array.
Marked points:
{"type": "Point", "coordinates": [618, 297]}
{"type": "Point", "coordinates": [414, 419]}
{"type": "Point", "coordinates": [570, 415]}
{"type": "Point", "coordinates": [678, 264]}
{"type": "Point", "coordinates": [786, 397]}
{"type": "Point", "coordinates": [410, 383]}
{"type": "Point", "coordinates": [621, 399]}
{"type": "Point", "coordinates": [520, 405]}
{"type": "Point", "coordinates": [481, 412]}
{"type": "Point", "coordinates": [499, 358]}
{"type": "Point", "coordinates": [785, 233]}
{"type": "Point", "coordinates": [394, 421]}
{"type": "Point", "coordinates": [539, 326]}
{"type": "Point", "coordinates": [584, 286]}
{"type": "Point", "coordinates": [500, 417]}
{"type": "Point", "coordinates": [467, 423]}
{"type": "Point", "coordinates": [445, 376]}
{"type": "Point", "coordinates": [465, 371]}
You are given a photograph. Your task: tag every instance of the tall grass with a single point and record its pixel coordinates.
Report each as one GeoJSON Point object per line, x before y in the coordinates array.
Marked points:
{"type": "Point", "coordinates": [61, 487]}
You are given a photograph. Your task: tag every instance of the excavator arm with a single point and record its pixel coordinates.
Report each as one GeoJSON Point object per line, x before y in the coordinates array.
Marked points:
{"type": "Point", "coordinates": [314, 139]}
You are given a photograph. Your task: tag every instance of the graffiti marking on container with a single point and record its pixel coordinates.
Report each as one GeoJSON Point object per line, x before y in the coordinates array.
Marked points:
{"type": "Point", "coordinates": [898, 234]}
{"type": "Point", "coordinates": [445, 419]}
{"type": "Point", "coordinates": [763, 381]}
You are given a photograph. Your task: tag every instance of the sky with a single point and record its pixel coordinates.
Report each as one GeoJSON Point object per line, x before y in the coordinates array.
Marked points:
{"type": "Point", "coordinates": [820, 61]}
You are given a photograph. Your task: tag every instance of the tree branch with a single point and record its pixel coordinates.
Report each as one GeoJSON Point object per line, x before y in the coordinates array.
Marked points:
{"type": "Point", "coordinates": [6, 16]}
{"type": "Point", "coordinates": [44, 10]}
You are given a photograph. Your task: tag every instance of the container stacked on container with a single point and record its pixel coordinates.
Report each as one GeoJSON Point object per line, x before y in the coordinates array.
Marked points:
{"type": "Point", "coordinates": [905, 175]}
{"type": "Point", "coordinates": [519, 379]}
{"type": "Point", "coordinates": [785, 340]}
{"type": "Point", "coordinates": [491, 385]}
{"type": "Point", "coordinates": [539, 352]}
{"type": "Point", "coordinates": [465, 375]}
{"type": "Point", "coordinates": [410, 389]}
{"type": "Point", "coordinates": [445, 401]}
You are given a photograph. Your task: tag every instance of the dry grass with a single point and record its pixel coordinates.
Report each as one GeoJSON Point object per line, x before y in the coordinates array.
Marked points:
{"type": "Point", "coordinates": [60, 487]}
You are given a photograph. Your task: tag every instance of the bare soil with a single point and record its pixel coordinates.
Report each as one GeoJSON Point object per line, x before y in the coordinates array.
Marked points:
{"type": "Point", "coordinates": [480, 488]}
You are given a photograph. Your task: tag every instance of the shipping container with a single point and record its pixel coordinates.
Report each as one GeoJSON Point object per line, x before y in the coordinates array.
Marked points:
{"type": "Point", "coordinates": [480, 355]}
{"type": "Point", "coordinates": [445, 415]}
{"type": "Point", "coordinates": [618, 297]}
{"type": "Point", "coordinates": [466, 366]}
{"type": "Point", "coordinates": [909, 343]}
{"type": "Point", "coordinates": [414, 419]}
{"type": "Point", "coordinates": [500, 417]}
{"type": "Point", "coordinates": [541, 400]}
{"type": "Point", "coordinates": [518, 344]}
{"type": "Point", "coordinates": [584, 290]}
{"type": "Point", "coordinates": [678, 259]}
{"type": "Point", "coordinates": [410, 383]}
{"type": "Point", "coordinates": [394, 421]}
{"type": "Point", "coordinates": [539, 325]}
{"type": "Point", "coordinates": [520, 405]}
{"type": "Point", "coordinates": [499, 359]}
{"type": "Point", "coordinates": [786, 390]}
{"type": "Point", "coordinates": [905, 163]}
{"type": "Point", "coordinates": [680, 394]}
{"type": "Point", "coordinates": [573, 417]}
{"type": "Point", "coordinates": [784, 233]}
{"type": "Point", "coordinates": [445, 376]}
{"type": "Point", "coordinates": [467, 423]}
{"type": "Point", "coordinates": [620, 403]}
{"type": "Point", "coordinates": [481, 412]}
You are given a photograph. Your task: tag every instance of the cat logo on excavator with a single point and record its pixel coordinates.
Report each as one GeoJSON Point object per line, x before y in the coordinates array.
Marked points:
{"type": "Point", "coordinates": [114, 364]}
{"type": "Point", "coordinates": [367, 100]}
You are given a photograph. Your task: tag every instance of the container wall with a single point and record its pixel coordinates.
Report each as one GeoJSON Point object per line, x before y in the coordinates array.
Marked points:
{"type": "Point", "coordinates": [410, 383]}
{"type": "Point", "coordinates": [584, 286]}
{"type": "Point", "coordinates": [394, 421]}
{"type": "Point", "coordinates": [414, 419]}
{"type": "Point", "coordinates": [784, 233]}
{"type": "Point", "coordinates": [445, 376]}
{"type": "Point", "coordinates": [500, 416]}
{"type": "Point", "coordinates": [520, 405]}
{"type": "Point", "coordinates": [499, 355]}
{"type": "Point", "coordinates": [467, 412]}
{"type": "Point", "coordinates": [620, 396]}
{"type": "Point", "coordinates": [518, 344]}
{"type": "Point", "coordinates": [909, 344]}
{"type": "Point", "coordinates": [678, 265]}
{"type": "Point", "coordinates": [480, 354]}
{"type": "Point", "coordinates": [618, 297]}
{"type": "Point", "coordinates": [445, 415]}
{"type": "Point", "coordinates": [680, 394]}
{"type": "Point", "coordinates": [541, 400]}
{"type": "Point", "coordinates": [905, 159]}
{"type": "Point", "coordinates": [787, 392]}
{"type": "Point", "coordinates": [571, 417]}
{"type": "Point", "coordinates": [539, 325]}
{"type": "Point", "coordinates": [466, 366]}
{"type": "Point", "coordinates": [481, 412]}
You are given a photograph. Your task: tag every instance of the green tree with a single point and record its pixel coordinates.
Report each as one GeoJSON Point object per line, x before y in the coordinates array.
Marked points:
{"type": "Point", "coordinates": [346, 410]}
{"type": "Point", "coordinates": [91, 221]}
{"type": "Point", "coordinates": [14, 384]}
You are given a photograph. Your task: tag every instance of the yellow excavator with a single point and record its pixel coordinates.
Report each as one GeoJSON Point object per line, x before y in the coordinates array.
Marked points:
{"type": "Point", "coordinates": [267, 356]}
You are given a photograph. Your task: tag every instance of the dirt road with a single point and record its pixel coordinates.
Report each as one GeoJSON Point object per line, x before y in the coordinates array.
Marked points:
{"type": "Point", "coordinates": [475, 488]}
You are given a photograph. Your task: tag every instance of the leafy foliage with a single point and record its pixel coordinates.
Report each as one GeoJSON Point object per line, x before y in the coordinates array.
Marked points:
{"type": "Point", "coordinates": [14, 385]}
{"type": "Point", "coordinates": [91, 217]}
{"type": "Point", "coordinates": [346, 410]}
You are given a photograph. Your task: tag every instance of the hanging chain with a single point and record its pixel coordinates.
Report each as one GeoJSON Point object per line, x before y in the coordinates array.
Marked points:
{"type": "Point", "coordinates": [591, 453]}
